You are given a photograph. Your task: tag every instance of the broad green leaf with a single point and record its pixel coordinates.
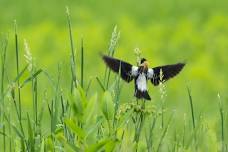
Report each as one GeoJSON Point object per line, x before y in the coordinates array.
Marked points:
{"type": "Point", "coordinates": [98, 146]}
{"type": "Point", "coordinates": [76, 104]}
{"type": "Point", "coordinates": [17, 144]}
{"type": "Point", "coordinates": [76, 129]}
{"type": "Point", "coordinates": [91, 132]}
{"type": "Point", "coordinates": [83, 98]}
{"type": "Point", "coordinates": [110, 146]}
{"type": "Point", "coordinates": [67, 146]}
{"type": "Point", "coordinates": [42, 146]}
{"type": "Point", "coordinates": [108, 106]}
{"type": "Point", "coordinates": [49, 145]}
{"type": "Point", "coordinates": [89, 117]}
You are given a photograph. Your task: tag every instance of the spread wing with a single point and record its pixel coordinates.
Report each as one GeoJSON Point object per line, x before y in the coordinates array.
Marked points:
{"type": "Point", "coordinates": [127, 71]}
{"type": "Point", "coordinates": [164, 73]}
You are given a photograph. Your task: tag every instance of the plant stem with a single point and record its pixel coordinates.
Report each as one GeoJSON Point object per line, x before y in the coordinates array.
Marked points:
{"type": "Point", "coordinates": [73, 61]}
{"type": "Point", "coordinates": [164, 133]}
{"type": "Point", "coordinates": [193, 116]}
{"type": "Point", "coordinates": [17, 65]}
{"type": "Point", "coordinates": [139, 124]}
{"type": "Point", "coordinates": [192, 108]}
{"type": "Point", "coordinates": [221, 111]}
{"type": "Point", "coordinates": [82, 63]}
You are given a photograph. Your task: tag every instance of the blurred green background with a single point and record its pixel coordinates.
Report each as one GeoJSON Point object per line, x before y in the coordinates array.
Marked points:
{"type": "Point", "coordinates": [166, 31]}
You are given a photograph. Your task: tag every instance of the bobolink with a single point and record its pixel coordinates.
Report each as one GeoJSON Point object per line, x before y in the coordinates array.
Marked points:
{"type": "Point", "coordinates": [142, 73]}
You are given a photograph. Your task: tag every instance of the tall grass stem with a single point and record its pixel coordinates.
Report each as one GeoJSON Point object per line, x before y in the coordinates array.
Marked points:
{"type": "Point", "coordinates": [17, 67]}
{"type": "Point", "coordinates": [82, 63]}
{"type": "Point", "coordinates": [73, 60]}
{"type": "Point", "coordinates": [221, 111]}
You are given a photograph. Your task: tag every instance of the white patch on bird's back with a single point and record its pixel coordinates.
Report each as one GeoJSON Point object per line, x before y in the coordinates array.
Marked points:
{"type": "Point", "coordinates": [141, 82]}
{"type": "Point", "coordinates": [150, 73]}
{"type": "Point", "coordinates": [134, 70]}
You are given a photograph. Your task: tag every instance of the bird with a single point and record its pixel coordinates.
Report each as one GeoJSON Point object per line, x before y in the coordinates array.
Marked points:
{"type": "Point", "coordinates": [142, 73]}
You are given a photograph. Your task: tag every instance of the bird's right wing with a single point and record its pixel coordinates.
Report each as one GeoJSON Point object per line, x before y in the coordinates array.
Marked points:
{"type": "Point", "coordinates": [127, 71]}
{"type": "Point", "coordinates": [164, 73]}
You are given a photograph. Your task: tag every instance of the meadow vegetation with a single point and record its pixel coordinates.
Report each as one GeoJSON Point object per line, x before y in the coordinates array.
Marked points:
{"type": "Point", "coordinates": [56, 94]}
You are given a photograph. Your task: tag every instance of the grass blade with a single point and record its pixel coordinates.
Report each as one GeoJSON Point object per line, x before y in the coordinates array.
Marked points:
{"type": "Point", "coordinates": [30, 134]}
{"type": "Point", "coordinates": [73, 61]}
{"type": "Point", "coordinates": [192, 108]}
{"type": "Point", "coordinates": [82, 63]}
{"type": "Point", "coordinates": [76, 129]}
{"type": "Point", "coordinates": [164, 133]}
{"type": "Point", "coordinates": [221, 111]}
{"type": "Point", "coordinates": [193, 116]}
{"type": "Point", "coordinates": [33, 76]}
{"type": "Point", "coordinates": [100, 83]}
{"type": "Point", "coordinates": [21, 73]}
{"type": "Point", "coordinates": [17, 67]}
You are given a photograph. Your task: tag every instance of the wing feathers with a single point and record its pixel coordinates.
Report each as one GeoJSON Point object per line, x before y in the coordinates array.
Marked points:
{"type": "Point", "coordinates": [127, 71]}
{"type": "Point", "coordinates": [167, 71]}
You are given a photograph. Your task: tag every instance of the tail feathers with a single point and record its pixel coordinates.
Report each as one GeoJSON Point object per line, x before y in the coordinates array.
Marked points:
{"type": "Point", "coordinates": [142, 95]}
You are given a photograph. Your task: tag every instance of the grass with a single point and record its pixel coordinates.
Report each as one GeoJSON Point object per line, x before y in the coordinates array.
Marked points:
{"type": "Point", "coordinates": [73, 66]}
{"type": "Point", "coordinates": [3, 58]}
{"type": "Point", "coordinates": [221, 111]}
{"type": "Point", "coordinates": [101, 121]}
{"type": "Point", "coordinates": [193, 117]}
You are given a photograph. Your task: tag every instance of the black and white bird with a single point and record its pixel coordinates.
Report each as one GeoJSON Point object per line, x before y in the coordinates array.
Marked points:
{"type": "Point", "coordinates": [142, 73]}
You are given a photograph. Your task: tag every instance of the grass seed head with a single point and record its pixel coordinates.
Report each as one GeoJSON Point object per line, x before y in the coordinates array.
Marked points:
{"type": "Point", "coordinates": [28, 56]}
{"type": "Point", "coordinates": [138, 53]}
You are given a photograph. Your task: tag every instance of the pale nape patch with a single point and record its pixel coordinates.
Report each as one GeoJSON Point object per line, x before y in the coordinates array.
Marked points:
{"type": "Point", "coordinates": [150, 73]}
{"type": "Point", "coordinates": [134, 71]}
{"type": "Point", "coordinates": [141, 82]}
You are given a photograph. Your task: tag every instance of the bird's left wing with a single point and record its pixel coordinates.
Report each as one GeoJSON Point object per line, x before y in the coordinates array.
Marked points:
{"type": "Point", "coordinates": [164, 73]}
{"type": "Point", "coordinates": [127, 71]}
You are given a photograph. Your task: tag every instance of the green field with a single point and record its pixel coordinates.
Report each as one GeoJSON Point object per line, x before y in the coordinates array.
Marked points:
{"type": "Point", "coordinates": [54, 95]}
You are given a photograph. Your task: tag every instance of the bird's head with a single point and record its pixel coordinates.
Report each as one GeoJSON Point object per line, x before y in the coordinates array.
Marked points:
{"type": "Point", "coordinates": [144, 63]}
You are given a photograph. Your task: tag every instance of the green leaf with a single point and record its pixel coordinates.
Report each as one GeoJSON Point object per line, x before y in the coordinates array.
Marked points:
{"type": "Point", "coordinates": [108, 106]}
{"type": "Point", "coordinates": [93, 128]}
{"type": "Point", "coordinates": [100, 83]}
{"type": "Point", "coordinates": [42, 146]}
{"type": "Point", "coordinates": [76, 129]}
{"type": "Point", "coordinates": [22, 138]}
{"type": "Point", "coordinates": [30, 134]}
{"type": "Point", "coordinates": [124, 118]}
{"type": "Point", "coordinates": [67, 146]}
{"type": "Point", "coordinates": [31, 77]}
{"type": "Point", "coordinates": [82, 96]}
{"type": "Point", "coordinates": [89, 117]}
{"type": "Point", "coordinates": [110, 146]}
{"type": "Point", "coordinates": [20, 74]}
{"type": "Point", "coordinates": [49, 145]}
{"type": "Point", "coordinates": [76, 104]}
{"type": "Point", "coordinates": [3, 134]}
{"type": "Point", "coordinates": [98, 146]}
{"type": "Point", "coordinates": [18, 132]}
